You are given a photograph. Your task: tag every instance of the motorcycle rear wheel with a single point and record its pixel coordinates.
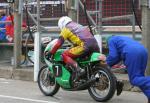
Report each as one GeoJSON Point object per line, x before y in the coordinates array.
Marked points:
{"type": "Point", "coordinates": [104, 89]}
{"type": "Point", "coordinates": [47, 82]}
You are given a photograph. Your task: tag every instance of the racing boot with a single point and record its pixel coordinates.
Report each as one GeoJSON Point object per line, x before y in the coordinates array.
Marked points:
{"type": "Point", "coordinates": [80, 72]}
{"type": "Point", "coordinates": [148, 101]}
{"type": "Point", "coordinates": [119, 87]}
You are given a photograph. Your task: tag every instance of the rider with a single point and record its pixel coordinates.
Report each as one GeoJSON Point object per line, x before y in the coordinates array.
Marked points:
{"type": "Point", "coordinates": [80, 36]}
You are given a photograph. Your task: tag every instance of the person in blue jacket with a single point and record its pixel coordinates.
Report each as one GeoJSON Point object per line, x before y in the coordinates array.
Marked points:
{"type": "Point", "coordinates": [135, 57]}
{"type": "Point", "coordinates": [2, 26]}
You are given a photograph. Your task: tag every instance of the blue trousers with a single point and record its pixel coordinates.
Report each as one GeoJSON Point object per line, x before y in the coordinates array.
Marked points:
{"type": "Point", "coordinates": [136, 62]}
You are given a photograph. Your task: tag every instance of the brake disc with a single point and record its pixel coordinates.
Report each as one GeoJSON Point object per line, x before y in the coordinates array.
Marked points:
{"type": "Point", "coordinates": [102, 84]}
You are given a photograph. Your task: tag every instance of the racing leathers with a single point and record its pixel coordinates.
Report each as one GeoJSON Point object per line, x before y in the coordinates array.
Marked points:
{"type": "Point", "coordinates": [83, 41]}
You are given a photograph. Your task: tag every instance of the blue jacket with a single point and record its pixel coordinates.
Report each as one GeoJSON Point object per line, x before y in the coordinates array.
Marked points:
{"type": "Point", "coordinates": [119, 46]}
{"type": "Point", "coordinates": [2, 25]}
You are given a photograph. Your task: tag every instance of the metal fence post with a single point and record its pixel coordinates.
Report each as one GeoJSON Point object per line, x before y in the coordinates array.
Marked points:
{"type": "Point", "coordinates": [37, 45]}
{"type": "Point", "coordinates": [17, 35]}
{"type": "Point", "coordinates": [146, 29]}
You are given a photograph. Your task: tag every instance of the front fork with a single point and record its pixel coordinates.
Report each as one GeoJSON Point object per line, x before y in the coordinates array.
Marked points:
{"type": "Point", "coordinates": [48, 75]}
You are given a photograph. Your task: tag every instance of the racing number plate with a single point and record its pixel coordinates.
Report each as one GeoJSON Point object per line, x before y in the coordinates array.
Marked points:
{"type": "Point", "coordinates": [57, 70]}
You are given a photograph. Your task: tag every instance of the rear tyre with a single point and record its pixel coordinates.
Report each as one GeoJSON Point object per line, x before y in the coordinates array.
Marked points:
{"type": "Point", "coordinates": [104, 89]}
{"type": "Point", "coordinates": [47, 82]}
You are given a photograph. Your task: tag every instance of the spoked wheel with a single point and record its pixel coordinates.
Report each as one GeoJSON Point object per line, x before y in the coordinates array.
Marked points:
{"type": "Point", "coordinates": [47, 82]}
{"type": "Point", "coordinates": [104, 89]}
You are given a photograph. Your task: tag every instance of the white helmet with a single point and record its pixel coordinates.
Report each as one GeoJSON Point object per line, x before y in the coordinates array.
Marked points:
{"type": "Point", "coordinates": [63, 21]}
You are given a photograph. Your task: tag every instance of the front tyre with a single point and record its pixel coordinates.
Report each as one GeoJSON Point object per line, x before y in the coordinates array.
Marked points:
{"type": "Point", "coordinates": [47, 82]}
{"type": "Point", "coordinates": [104, 89]}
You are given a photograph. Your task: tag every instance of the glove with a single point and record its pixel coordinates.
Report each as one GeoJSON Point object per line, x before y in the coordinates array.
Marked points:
{"type": "Point", "coordinates": [48, 55]}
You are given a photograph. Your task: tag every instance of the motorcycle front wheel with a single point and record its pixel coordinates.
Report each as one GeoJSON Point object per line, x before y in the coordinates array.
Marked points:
{"type": "Point", "coordinates": [103, 89]}
{"type": "Point", "coordinates": [47, 82]}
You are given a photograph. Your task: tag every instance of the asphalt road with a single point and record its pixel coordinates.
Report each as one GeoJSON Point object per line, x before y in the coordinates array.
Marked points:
{"type": "Point", "coordinates": [16, 91]}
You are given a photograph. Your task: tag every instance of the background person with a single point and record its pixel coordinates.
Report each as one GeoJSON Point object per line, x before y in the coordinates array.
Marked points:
{"type": "Point", "coordinates": [2, 25]}
{"type": "Point", "coordinates": [10, 28]}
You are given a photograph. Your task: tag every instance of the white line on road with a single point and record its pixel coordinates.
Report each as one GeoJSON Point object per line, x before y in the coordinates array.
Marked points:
{"type": "Point", "coordinates": [26, 99]}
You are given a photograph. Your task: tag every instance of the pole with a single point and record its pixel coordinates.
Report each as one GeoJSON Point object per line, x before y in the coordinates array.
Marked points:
{"type": "Point", "coordinates": [77, 8]}
{"type": "Point", "coordinates": [100, 17]}
{"type": "Point", "coordinates": [133, 19]}
{"type": "Point", "coordinates": [146, 29]}
{"type": "Point", "coordinates": [17, 35]}
{"type": "Point", "coordinates": [98, 35]}
{"type": "Point", "coordinates": [149, 3]}
{"type": "Point", "coordinates": [72, 11]}
{"type": "Point", "coordinates": [133, 27]}
{"type": "Point", "coordinates": [37, 45]}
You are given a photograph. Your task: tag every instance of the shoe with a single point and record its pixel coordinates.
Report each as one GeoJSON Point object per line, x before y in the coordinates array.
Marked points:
{"type": "Point", "coordinates": [119, 87]}
{"type": "Point", "coordinates": [148, 101]}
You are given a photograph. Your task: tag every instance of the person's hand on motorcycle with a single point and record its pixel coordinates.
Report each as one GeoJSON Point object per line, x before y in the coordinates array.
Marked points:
{"type": "Point", "coordinates": [48, 56]}
{"type": "Point", "coordinates": [102, 57]}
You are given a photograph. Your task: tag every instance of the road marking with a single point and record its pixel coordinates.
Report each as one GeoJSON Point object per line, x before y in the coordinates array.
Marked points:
{"type": "Point", "coordinates": [26, 99]}
{"type": "Point", "coordinates": [4, 82]}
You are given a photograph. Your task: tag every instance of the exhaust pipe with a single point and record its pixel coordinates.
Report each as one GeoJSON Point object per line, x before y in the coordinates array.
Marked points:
{"type": "Point", "coordinates": [87, 84]}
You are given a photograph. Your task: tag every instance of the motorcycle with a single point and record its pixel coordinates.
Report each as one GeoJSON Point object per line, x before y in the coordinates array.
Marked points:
{"type": "Point", "coordinates": [98, 79]}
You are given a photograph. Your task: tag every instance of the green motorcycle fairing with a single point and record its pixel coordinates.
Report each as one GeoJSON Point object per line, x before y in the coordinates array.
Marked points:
{"type": "Point", "coordinates": [63, 79]}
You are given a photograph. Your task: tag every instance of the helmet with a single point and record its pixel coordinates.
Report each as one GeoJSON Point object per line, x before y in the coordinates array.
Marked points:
{"type": "Point", "coordinates": [63, 21]}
